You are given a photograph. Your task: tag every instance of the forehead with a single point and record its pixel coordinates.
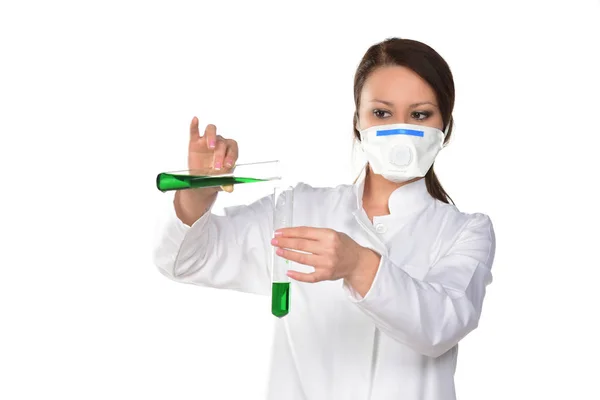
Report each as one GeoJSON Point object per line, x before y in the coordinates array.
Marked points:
{"type": "Point", "coordinates": [396, 84]}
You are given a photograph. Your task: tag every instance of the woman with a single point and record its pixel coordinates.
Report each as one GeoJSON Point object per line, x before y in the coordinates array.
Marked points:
{"type": "Point", "coordinates": [390, 275]}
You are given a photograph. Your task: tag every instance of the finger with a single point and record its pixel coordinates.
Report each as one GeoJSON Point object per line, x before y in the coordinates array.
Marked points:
{"type": "Point", "coordinates": [312, 277]}
{"type": "Point", "coordinates": [307, 232]}
{"type": "Point", "coordinates": [311, 260]}
{"type": "Point", "coordinates": [227, 188]}
{"type": "Point", "coordinates": [307, 245]}
{"type": "Point", "coordinates": [231, 155]}
{"type": "Point", "coordinates": [219, 154]}
{"type": "Point", "coordinates": [194, 132]}
{"type": "Point", "coordinates": [210, 136]}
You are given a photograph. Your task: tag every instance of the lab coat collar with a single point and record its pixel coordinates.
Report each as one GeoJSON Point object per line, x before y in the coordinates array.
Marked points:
{"type": "Point", "coordinates": [405, 200]}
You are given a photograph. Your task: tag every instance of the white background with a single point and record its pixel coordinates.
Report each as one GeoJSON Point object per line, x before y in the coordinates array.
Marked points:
{"type": "Point", "coordinates": [96, 99]}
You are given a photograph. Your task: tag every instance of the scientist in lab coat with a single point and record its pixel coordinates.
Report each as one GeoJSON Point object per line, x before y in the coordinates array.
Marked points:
{"type": "Point", "coordinates": [391, 275]}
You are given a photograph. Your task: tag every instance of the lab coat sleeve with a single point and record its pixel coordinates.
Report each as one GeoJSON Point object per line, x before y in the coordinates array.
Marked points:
{"type": "Point", "coordinates": [431, 315]}
{"type": "Point", "coordinates": [227, 251]}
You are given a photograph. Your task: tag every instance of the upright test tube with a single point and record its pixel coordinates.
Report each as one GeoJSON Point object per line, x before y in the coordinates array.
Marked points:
{"type": "Point", "coordinates": [283, 205]}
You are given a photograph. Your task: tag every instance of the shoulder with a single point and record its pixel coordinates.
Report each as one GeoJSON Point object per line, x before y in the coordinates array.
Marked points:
{"type": "Point", "coordinates": [473, 230]}
{"type": "Point", "coordinates": [467, 219]}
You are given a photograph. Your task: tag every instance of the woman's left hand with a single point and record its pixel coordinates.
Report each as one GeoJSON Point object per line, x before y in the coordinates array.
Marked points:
{"type": "Point", "coordinates": [334, 255]}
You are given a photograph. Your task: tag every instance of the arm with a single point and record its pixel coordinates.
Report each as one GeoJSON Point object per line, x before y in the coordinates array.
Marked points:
{"type": "Point", "coordinates": [229, 252]}
{"type": "Point", "coordinates": [433, 314]}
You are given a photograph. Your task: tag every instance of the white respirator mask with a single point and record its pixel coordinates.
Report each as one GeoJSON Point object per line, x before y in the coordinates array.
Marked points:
{"type": "Point", "coordinates": [401, 152]}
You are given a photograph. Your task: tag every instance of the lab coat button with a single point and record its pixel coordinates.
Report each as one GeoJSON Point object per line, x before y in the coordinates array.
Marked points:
{"type": "Point", "coordinates": [380, 228]}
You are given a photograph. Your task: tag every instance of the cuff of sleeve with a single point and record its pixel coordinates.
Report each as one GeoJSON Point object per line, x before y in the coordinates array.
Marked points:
{"type": "Point", "coordinates": [176, 242]}
{"type": "Point", "coordinates": [190, 237]}
{"type": "Point", "coordinates": [171, 236]}
{"type": "Point", "coordinates": [178, 230]}
{"type": "Point", "coordinates": [355, 297]}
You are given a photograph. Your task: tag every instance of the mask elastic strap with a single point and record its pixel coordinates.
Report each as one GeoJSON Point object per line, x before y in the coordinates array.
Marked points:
{"type": "Point", "coordinates": [444, 143]}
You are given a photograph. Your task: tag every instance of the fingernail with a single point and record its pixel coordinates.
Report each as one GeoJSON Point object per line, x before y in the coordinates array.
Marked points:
{"type": "Point", "coordinates": [274, 242]}
{"type": "Point", "coordinates": [212, 144]}
{"type": "Point", "coordinates": [279, 252]}
{"type": "Point", "coordinates": [228, 163]}
{"type": "Point", "coordinates": [278, 233]}
{"type": "Point", "coordinates": [218, 165]}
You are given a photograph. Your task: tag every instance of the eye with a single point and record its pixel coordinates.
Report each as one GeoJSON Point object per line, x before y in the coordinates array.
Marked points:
{"type": "Point", "coordinates": [420, 115]}
{"type": "Point", "coordinates": [380, 113]}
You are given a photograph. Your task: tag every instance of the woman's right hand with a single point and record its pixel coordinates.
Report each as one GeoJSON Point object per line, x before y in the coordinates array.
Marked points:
{"type": "Point", "coordinates": [211, 153]}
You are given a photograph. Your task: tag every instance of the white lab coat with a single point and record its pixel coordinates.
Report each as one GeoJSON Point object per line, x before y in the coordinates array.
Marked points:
{"type": "Point", "coordinates": [400, 340]}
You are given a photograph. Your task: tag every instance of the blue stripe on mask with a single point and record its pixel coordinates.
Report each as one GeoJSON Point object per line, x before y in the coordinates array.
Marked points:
{"type": "Point", "coordinates": [400, 131]}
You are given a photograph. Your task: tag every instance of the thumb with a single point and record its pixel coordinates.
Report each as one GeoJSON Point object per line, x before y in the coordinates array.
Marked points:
{"type": "Point", "coordinates": [227, 188]}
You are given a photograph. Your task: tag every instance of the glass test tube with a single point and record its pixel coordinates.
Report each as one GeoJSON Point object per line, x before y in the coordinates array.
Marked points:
{"type": "Point", "coordinates": [283, 203]}
{"type": "Point", "coordinates": [209, 177]}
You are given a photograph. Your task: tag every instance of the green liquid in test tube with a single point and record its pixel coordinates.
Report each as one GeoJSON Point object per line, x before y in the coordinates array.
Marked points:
{"type": "Point", "coordinates": [282, 218]}
{"type": "Point", "coordinates": [209, 177]}
{"type": "Point", "coordinates": [280, 299]}
{"type": "Point", "coordinates": [167, 181]}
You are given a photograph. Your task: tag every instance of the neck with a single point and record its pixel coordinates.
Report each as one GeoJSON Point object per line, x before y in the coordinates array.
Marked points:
{"type": "Point", "coordinates": [377, 189]}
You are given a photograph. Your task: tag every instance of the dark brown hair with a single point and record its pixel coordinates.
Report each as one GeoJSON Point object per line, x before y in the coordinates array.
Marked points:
{"type": "Point", "coordinates": [430, 66]}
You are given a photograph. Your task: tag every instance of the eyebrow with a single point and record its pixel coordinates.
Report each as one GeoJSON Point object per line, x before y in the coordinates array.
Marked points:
{"type": "Point", "coordinates": [390, 104]}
